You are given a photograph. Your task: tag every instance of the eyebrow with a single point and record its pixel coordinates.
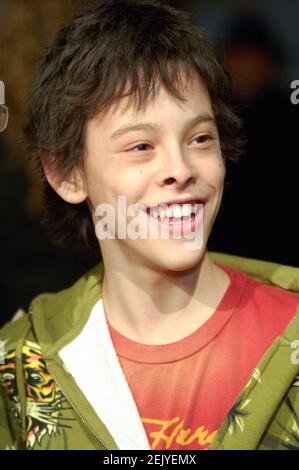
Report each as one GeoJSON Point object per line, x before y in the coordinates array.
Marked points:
{"type": "Point", "coordinates": [150, 126]}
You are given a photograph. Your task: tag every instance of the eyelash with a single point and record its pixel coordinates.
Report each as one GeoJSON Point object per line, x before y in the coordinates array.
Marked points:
{"type": "Point", "coordinates": [210, 138]}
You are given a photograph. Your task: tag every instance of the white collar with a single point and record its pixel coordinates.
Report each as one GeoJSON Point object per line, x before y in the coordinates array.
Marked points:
{"type": "Point", "coordinates": [93, 362]}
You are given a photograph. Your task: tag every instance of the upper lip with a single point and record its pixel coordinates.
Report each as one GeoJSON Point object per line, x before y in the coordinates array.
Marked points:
{"type": "Point", "coordinates": [190, 200]}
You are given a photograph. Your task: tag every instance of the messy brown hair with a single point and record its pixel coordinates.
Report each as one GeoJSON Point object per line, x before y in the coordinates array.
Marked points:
{"type": "Point", "coordinates": [112, 49]}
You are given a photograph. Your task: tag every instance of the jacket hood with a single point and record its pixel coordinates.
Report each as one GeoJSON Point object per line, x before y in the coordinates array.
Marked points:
{"type": "Point", "coordinates": [59, 317]}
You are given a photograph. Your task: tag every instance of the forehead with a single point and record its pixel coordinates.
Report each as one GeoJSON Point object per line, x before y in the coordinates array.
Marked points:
{"type": "Point", "coordinates": [194, 98]}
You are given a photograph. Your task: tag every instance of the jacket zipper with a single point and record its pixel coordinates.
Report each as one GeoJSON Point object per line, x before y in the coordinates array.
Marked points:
{"type": "Point", "coordinates": [87, 425]}
{"type": "Point", "coordinates": [259, 362]}
{"type": "Point", "coordinates": [250, 378]}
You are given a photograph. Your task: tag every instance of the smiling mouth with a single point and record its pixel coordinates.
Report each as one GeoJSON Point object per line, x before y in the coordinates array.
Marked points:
{"type": "Point", "coordinates": [176, 213]}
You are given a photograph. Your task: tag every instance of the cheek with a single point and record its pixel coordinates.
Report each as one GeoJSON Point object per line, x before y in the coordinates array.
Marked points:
{"type": "Point", "coordinates": [105, 184]}
{"type": "Point", "coordinates": [213, 171]}
{"type": "Point", "coordinates": [130, 182]}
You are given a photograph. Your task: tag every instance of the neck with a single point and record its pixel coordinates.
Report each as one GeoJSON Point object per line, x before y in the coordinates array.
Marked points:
{"type": "Point", "coordinates": [146, 305]}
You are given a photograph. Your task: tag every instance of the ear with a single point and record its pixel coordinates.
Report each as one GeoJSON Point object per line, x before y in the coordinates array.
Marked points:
{"type": "Point", "coordinates": [70, 187]}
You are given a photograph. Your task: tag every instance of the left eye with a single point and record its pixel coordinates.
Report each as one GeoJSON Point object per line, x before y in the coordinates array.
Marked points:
{"type": "Point", "coordinates": [140, 147]}
{"type": "Point", "coordinates": [202, 139]}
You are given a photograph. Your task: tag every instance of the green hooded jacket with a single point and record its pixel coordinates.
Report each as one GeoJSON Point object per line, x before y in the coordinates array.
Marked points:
{"type": "Point", "coordinates": [42, 406]}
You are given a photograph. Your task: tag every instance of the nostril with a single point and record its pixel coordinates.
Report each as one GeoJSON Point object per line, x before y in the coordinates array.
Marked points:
{"type": "Point", "coordinates": [170, 181]}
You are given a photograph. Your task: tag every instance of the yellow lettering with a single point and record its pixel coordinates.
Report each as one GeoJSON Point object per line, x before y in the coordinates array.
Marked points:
{"type": "Point", "coordinates": [183, 435]}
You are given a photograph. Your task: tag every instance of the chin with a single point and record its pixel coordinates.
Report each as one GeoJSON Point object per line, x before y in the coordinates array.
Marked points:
{"type": "Point", "coordinates": [183, 260]}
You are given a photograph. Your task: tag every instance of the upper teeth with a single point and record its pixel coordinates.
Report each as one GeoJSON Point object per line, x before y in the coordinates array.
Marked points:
{"type": "Point", "coordinates": [178, 211]}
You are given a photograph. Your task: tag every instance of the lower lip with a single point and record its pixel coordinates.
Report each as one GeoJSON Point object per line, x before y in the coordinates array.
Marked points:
{"type": "Point", "coordinates": [183, 227]}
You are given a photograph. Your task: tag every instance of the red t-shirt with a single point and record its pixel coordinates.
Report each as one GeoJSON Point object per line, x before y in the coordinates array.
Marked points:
{"type": "Point", "coordinates": [184, 390]}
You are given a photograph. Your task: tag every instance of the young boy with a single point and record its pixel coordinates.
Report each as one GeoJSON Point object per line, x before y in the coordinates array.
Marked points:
{"type": "Point", "coordinates": [161, 345]}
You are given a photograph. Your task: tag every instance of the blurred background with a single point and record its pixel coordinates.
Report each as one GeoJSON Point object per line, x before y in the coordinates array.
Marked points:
{"type": "Point", "coordinates": [259, 211]}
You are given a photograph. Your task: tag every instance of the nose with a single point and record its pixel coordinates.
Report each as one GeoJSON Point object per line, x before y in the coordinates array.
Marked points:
{"type": "Point", "coordinates": [176, 168]}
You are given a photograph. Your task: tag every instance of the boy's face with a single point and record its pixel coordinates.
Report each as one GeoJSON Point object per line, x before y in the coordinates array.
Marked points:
{"type": "Point", "coordinates": [137, 163]}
